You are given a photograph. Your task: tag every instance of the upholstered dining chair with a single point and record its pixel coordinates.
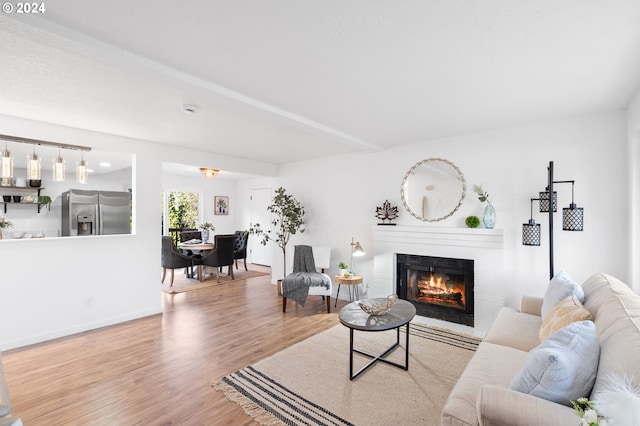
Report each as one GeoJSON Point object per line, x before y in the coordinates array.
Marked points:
{"type": "Point", "coordinates": [240, 247]}
{"type": "Point", "coordinates": [173, 259]}
{"type": "Point", "coordinates": [221, 255]}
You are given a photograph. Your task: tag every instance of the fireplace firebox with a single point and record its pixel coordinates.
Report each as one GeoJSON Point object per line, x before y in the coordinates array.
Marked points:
{"type": "Point", "coordinates": [439, 287]}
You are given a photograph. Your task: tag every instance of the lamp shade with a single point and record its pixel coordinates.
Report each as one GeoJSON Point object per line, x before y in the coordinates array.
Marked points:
{"type": "Point", "coordinates": [544, 201]}
{"type": "Point", "coordinates": [572, 218]}
{"type": "Point", "coordinates": [34, 166]}
{"type": "Point", "coordinates": [6, 165]}
{"type": "Point", "coordinates": [58, 169]}
{"type": "Point", "coordinates": [531, 233]}
{"type": "Point", "coordinates": [358, 250]}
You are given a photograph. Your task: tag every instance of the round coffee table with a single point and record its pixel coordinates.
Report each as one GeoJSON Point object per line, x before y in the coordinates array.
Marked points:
{"type": "Point", "coordinates": [355, 318]}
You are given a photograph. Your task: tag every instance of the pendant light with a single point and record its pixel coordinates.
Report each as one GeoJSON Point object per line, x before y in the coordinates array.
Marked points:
{"type": "Point", "coordinates": [82, 169]}
{"type": "Point", "coordinates": [34, 166]}
{"type": "Point", "coordinates": [58, 168]}
{"type": "Point", "coordinates": [6, 168]}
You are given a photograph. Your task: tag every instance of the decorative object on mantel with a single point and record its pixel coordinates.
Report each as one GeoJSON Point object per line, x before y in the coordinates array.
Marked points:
{"type": "Point", "coordinates": [472, 221]}
{"type": "Point", "coordinates": [433, 189]}
{"type": "Point", "coordinates": [489, 213]}
{"type": "Point", "coordinates": [386, 213]}
{"type": "Point", "coordinates": [572, 216]}
{"type": "Point", "coordinates": [378, 306]}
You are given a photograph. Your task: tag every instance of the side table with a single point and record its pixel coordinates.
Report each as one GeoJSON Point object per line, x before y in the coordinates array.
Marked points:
{"type": "Point", "coordinates": [352, 281]}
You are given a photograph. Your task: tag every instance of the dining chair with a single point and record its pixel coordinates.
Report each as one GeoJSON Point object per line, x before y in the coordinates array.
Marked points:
{"type": "Point", "coordinates": [221, 255]}
{"type": "Point", "coordinates": [172, 259]}
{"type": "Point", "coordinates": [240, 247]}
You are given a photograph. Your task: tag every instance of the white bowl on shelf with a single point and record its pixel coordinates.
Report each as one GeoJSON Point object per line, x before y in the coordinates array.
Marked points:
{"type": "Point", "coordinates": [17, 235]}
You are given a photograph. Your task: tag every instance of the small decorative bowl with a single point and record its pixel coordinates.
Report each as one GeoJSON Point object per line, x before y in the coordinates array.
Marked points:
{"type": "Point", "coordinates": [17, 235]}
{"type": "Point", "coordinates": [378, 306]}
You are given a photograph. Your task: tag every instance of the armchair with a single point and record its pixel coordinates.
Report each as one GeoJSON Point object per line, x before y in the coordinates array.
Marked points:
{"type": "Point", "coordinates": [320, 260]}
{"type": "Point", "coordinates": [221, 255]}
{"type": "Point", "coordinates": [240, 247]}
{"type": "Point", "coordinates": [172, 258]}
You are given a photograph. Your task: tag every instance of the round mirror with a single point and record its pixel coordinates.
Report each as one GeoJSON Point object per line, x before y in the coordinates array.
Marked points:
{"type": "Point", "coordinates": [433, 189]}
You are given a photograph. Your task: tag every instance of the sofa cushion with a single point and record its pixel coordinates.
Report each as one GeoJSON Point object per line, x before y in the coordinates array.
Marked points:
{"type": "Point", "coordinates": [560, 286]}
{"type": "Point", "coordinates": [515, 329]}
{"type": "Point", "coordinates": [564, 313]}
{"type": "Point", "coordinates": [599, 288]}
{"type": "Point", "coordinates": [563, 367]}
{"type": "Point", "coordinates": [618, 327]}
{"type": "Point", "coordinates": [491, 364]}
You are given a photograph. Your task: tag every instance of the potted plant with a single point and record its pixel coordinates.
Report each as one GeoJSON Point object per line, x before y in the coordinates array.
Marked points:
{"type": "Point", "coordinates": [206, 227]}
{"type": "Point", "coordinates": [4, 223]}
{"type": "Point", "coordinates": [287, 220]}
{"type": "Point", "coordinates": [45, 200]}
{"type": "Point", "coordinates": [343, 268]}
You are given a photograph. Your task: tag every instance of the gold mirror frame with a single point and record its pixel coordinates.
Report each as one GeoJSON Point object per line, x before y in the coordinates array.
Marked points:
{"type": "Point", "coordinates": [430, 189]}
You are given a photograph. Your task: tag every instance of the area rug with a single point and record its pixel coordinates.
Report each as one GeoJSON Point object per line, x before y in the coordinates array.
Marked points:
{"type": "Point", "coordinates": [181, 283]}
{"type": "Point", "coordinates": [308, 383]}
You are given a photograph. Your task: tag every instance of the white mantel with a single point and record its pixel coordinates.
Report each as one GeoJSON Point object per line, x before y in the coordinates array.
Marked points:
{"type": "Point", "coordinates": [484, 246]}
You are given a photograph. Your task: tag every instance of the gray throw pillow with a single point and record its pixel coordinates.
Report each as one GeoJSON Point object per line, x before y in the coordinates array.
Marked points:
{"type": "Point", "coordinates": [563, 367]}
{"type": "Point", "coordinates": [560, 287]}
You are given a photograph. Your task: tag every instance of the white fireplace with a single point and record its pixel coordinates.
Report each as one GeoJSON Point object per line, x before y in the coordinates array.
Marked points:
{"type": "Point", "coordinates": [483, 246]}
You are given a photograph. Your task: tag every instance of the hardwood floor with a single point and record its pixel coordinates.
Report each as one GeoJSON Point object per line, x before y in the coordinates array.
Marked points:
{"type": "Point", "coordinates": [158, 370]}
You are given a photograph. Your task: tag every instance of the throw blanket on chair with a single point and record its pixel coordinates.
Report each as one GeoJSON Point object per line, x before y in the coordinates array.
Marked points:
{"type": "Point", "coordinates": [296, 285]}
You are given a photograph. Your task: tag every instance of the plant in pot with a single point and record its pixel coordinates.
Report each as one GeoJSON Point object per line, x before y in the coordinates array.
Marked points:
{"type": "Point", "coordinates": [287, 220]}
{"type": "Point", "coordinates": [343, 268]}
{"type": "Point", "coordinates": [4, 223]}
{"type": "Point", "coordinates": [206, 227]}
{"type": "Point", "coordinates": [45, 200]}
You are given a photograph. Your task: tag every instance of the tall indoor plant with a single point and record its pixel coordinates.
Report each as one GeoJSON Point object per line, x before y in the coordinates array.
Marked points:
{"type": "Point", "coordinates": [287, 220]}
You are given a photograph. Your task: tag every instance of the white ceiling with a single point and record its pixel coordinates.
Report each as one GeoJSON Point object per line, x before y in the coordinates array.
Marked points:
{"type": "Point", "coordinates": [288, 80]}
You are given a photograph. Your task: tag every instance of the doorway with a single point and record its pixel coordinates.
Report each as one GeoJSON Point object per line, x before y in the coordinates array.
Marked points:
{"type": "Point", "coordinates": [260, 199]}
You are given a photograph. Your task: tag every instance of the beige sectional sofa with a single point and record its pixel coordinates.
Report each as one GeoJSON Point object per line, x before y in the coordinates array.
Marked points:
{"type": "Point", "coordinates": [483, 395]}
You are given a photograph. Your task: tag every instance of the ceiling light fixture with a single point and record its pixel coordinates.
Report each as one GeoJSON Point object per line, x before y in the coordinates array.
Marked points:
{"type": "Point", "coordinates": [6, 168]}
{"type": "Point", "coordinates": [207, 172]}
{"type": "Point", "coordinates": [34, 166]}
{"type": "Point", "coordinates": [81, 169]}
{"type": "Point", "coordinates": [58, 168]}
{"type": "Point", "coordinates": [189, 109]}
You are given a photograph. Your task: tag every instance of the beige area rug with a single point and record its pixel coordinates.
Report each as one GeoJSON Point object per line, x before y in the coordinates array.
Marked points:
{"type": "Point", "coordinates": [181, 283]}
{"type": "Point", "coordinates": [308, 383]}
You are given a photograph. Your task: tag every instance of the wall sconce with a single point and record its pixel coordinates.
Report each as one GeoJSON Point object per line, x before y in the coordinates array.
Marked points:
{"type": "Point", "coordinates": [572, 216]}
{"type": "Point", "coordinates": [356, 251]}
{"type": "Point", "coordinates": [207, 172]}
{"type": "Point", "coordinates": [82, 169]}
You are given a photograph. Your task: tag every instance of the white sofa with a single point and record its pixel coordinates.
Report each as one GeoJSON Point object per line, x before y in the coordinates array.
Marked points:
{"type": "Point", "coordinates": [483, 395]}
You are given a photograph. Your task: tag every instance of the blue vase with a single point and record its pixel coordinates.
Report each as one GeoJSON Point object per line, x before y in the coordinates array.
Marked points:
{"type": "Point", "coordinates": [489, 216]}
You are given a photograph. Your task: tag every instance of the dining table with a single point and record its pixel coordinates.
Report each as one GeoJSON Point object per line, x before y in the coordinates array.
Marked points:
{"type": "Point", "coordinates": [197, 249]}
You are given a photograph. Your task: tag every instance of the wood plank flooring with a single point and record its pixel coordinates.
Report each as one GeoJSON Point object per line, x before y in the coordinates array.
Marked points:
{"type": "Point", "coordinates": [158, 370]}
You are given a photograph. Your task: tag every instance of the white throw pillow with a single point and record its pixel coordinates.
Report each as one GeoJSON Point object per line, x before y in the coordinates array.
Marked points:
{"type": "Point", "coordinates": [563, 367]}
{"type": "Point", "coordinates": [619, 400]}
{"type": "Point", "coordinates": [560, 287]}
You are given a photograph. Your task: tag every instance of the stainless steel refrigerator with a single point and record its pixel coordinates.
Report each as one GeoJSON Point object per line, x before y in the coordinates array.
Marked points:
{"type": "Point", "coordinates": [95, 212]}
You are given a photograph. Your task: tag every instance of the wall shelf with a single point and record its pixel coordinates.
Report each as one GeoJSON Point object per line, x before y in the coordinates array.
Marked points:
{"type": "Point", "coordinates": [21, 191]}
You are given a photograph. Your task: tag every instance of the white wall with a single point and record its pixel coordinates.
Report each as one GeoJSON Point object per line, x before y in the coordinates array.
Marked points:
{"type": "Point", "coordinates": [46, 283]}
{"type": "Point", "coordinates": [633, 137]}
{"type": "Point", "coordinates": [54, 286]}
{"type": "Point", "coordinates": [340, 195]}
